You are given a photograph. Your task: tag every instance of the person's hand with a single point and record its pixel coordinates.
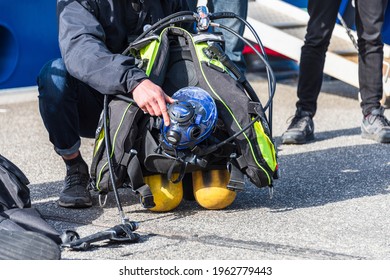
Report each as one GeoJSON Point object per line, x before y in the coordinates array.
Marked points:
{"type": "Point", "coordinates": [152, 99]}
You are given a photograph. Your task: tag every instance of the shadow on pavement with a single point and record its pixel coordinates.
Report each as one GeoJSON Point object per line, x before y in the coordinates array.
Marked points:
{"type": "Point", "coordinates": [317, 178]}
{"type": "Point", "coordinates": [308, 179]}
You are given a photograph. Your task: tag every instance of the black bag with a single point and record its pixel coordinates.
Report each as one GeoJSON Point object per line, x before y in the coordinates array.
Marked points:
{"type": "Point", "coordinates": [16, 213]}
{"type": "Point", "coordinates": [14, 192]}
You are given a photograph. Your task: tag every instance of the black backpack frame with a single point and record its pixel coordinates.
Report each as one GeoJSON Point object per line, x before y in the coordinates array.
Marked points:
{"type": "Point", "coordinates": [122, 160]}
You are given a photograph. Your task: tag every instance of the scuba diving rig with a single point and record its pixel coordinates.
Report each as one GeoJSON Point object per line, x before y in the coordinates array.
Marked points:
{"type": "Point", "coordinates": [217, 119]}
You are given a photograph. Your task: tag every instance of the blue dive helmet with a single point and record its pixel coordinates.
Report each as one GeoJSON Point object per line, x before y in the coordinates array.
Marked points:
{"type": "Point", "coordinates": [193, 116]}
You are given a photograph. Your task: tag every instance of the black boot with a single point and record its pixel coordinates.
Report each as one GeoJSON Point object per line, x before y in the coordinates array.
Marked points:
{"type": "Point", "coordinates": [75, 193]}
{"type": "Point", "coordinates": [300, 130]}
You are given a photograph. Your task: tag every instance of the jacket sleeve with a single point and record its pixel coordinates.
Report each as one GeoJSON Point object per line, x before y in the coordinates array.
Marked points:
{"type": "Point", "coordinates": [81, 40]}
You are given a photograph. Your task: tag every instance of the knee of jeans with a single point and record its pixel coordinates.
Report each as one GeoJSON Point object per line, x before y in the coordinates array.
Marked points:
{"type": "Point", "coordinates": [52, 81]}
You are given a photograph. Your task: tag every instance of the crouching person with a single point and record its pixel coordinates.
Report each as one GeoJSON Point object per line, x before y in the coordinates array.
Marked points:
{"type": "Point", "coordinates": [92, 36]}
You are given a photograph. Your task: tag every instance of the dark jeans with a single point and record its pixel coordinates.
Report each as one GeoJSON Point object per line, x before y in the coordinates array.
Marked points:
{"type": "Point", "coordinates": [234, 46]}
{"type": "Point", "coordinates": [68, 107]}
{"type": "Point", "coordinates": [369, 20]}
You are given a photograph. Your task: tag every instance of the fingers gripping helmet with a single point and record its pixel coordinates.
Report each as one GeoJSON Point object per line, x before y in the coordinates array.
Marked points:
{"type": "Point", "coordinates": [193, 116]}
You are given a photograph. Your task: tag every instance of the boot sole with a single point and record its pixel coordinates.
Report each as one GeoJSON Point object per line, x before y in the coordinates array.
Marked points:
{"type": "Point", "coordinates": [26, 245]}
{"type": "Point", "coordinates": [75, 204]}
{"type": "Point", "coordinates": [375, 137]}
{"type": "Point", "coordinates": [291, 140]}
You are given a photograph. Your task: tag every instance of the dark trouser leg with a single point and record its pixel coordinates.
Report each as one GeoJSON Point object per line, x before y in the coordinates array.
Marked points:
{"type": "Point", "coordinates": [68, 107]}
{"type": "Point", "coordinates": [369, 22]}
{"type": "Point", "coordinates": [234, 46]}
{"type": "Point", "coordinates": [323, 16]}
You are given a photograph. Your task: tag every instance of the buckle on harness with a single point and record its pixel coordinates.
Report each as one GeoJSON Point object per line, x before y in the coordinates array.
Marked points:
{"type": "Point", "coordinates": [237, 179]}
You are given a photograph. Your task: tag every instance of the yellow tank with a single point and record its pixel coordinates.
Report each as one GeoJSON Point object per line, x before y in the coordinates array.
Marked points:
{"type": "Point", "coordinates": [167, 195]}
{"type": "Point", "coordinates": [210, 189]}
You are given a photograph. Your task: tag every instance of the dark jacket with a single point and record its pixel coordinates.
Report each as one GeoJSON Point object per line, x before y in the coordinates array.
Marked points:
{"type": "Point", "coordinates": [94, 33]}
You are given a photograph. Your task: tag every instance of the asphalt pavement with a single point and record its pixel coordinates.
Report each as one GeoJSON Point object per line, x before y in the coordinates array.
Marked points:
{"type": "Point", "coordinates": [330, 203]}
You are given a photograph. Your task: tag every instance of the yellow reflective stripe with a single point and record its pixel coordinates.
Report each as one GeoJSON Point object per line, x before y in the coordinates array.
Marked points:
{"type": "Point", "coordinates": [150, 53]}
{"type": "Point", "coordinates": [100, 176]}
{"type": "Point", "coordinates": [98, 142]}
{"type": "Point", "coordinates": [265, 145]}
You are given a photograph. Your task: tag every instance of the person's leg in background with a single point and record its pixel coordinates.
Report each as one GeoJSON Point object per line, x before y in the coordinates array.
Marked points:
{"type": "Point", "coordinates": [322, 20]}
{"type": "Point", "coordinates": [234, 46]}
{"type": "Point", "coordinates": [369, 22]}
